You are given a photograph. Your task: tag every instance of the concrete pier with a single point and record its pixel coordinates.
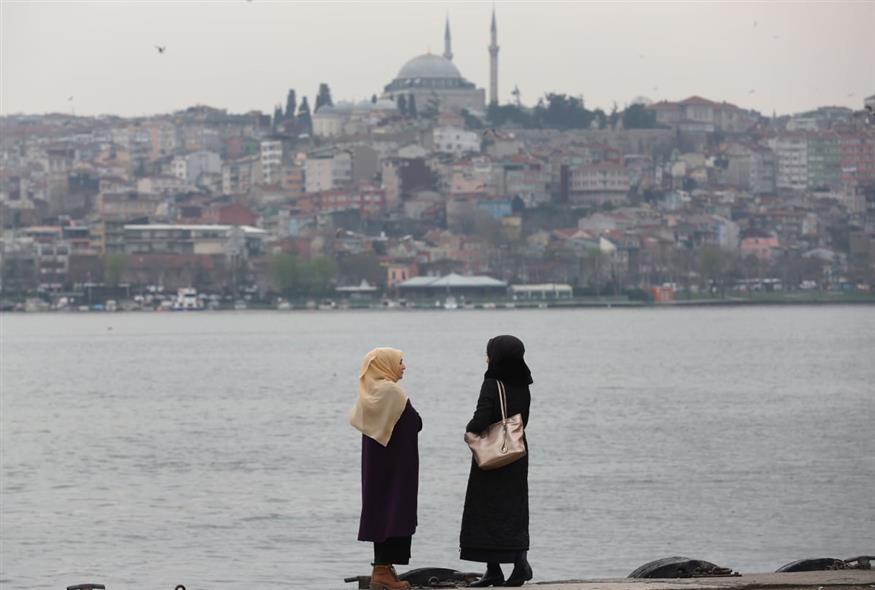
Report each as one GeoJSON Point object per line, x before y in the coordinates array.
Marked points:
{"type": "Point", "coordinates": [829, 580]}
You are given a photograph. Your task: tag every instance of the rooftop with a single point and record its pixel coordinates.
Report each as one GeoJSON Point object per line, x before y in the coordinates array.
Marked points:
{"type": "Point", "coordinates": [452, 280]}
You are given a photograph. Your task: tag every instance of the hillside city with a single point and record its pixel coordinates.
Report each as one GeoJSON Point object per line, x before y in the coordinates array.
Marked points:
{"type": "Point", "coordinates": [430, 189]}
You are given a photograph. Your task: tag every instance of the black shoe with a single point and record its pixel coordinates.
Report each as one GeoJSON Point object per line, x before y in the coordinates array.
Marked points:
{"type": "Point", "coordinates": [521, 574]}
{"type": "Point", "coordinates": [488, 580]}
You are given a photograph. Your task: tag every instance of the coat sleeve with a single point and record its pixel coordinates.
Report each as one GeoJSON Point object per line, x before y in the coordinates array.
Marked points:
{"type": "Point", "coordinates": [485, 405]}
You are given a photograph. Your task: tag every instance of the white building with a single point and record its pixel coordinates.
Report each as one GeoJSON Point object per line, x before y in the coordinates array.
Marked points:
{"type": "Point", "coordinates": [348, 119]}
{"type": "Point", "coordinates": [700, 114]}
{"type": "Point", "coordinates": [456, 141]}
{"type": "Point", "coordinates": [227, 240]}
{"type": "Point", "coordinates": [190, 166]}
{"type": "Point", "coordinates": [726, 232]}
{"type": "Point", "coordinates": [238, 176]}
{"type": "Point", "coordinates": [791, 162]}
{"type": "Point", "coordinates": [596, 184]}
{"type": "Point", "coordinates": [164, 138]}
{"type": "Point", "coordinates": [271, 160]}
{"type": "Point", "coordinates": [161, 184]}
{"type": "Point", "coordinates": [324, 171]}
{"type": "Point", "coordinates": [328, 121]}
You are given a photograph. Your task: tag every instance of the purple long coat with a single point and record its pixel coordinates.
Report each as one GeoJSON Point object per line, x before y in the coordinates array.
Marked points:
{"type": "Point", "coordinates": [390, 481]}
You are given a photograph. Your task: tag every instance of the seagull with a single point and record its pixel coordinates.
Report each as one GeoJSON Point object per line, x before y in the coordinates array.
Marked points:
{"type": "Point", "coordinates": [69, 98]}
{"type": "Point", "coordinates": [776, 37]}
{"type": "Point", "coordinates": [161, 48]}
{"type": "Point", "coordinates": [851, 94]}
{"type": "Point", "coordinates": [754, 24]}
{"type": "Point", "coordinates": [751, 91]}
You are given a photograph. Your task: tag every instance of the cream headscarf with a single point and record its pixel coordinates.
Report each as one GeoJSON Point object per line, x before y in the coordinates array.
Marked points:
{"type": "Point", "coordinates": [381, 400]}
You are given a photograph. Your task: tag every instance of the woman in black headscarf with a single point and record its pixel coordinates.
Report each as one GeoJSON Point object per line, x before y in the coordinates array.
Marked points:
{"type": "Point", "coordinates": [495, 522]}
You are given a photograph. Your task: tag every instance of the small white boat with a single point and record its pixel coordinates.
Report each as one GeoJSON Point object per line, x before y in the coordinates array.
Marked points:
{"type": "Point", "coordinates": [450, 303]}
{"type": "Point", "coordinates": [187, 300]}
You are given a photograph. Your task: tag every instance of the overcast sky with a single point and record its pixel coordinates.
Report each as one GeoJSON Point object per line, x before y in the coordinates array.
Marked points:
{"type": "Point", "coordinates": [242, 55]}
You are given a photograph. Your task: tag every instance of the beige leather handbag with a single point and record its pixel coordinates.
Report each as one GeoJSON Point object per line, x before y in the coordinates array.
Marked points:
{"type": "Point", "coordinates": [501, 443]}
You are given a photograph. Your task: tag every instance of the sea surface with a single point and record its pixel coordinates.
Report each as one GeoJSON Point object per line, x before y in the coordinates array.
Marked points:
{"type": "Point", "coordinates": [146, 450]}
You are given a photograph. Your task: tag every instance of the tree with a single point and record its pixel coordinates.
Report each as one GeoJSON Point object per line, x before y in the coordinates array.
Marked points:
{"type": "Point", "coordinates": [323, 98]}
{"type": "Point", "coordinates": [114, 266]}
{"type": "Point", "coordinates": [601, 118]}
{"type": "Point", "coordinates": [284, 268]}
{"type": "Point", "coordinates": [200, 277]}
{"type": "Point", "coordinates": [471, 122]}
{"type": "Point", "coordinates": [355, 268]}
{"type": "Point", "coordinates": [305, 121]}
{"type": "Point", "coordinates": [508, 114]}
{"type": "Point", "coordinates": [402, 105]}
{"type": "Point", "coordinates": [614, 116]}
{"type": "Point", "coordinates": [593, 265]}
{"type": "Point", "coordinates": [277, 116]}
{"type": "Point", "coordinates": [563, 112]}
{"type": "Point", "coordinates": [303, 278]}
{"type": "Point", "coordinates": [318, 276]}
{"type": "Point", "coordinates": [411, 106]}
{"type": "Point", "coordinates": [432, 107]}
{"type": "Point", "coordinates": [291, 104]}
{"type": "Point", "coordinates": [716, 266]}
{"type": "Point", "coordinates": [637, 116]}
{"type": "Point", "coordinates": [373, 99]}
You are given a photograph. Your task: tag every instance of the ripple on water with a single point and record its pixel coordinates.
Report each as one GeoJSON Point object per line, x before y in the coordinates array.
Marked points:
{"type": "Point", "coordinates": [225, 461]}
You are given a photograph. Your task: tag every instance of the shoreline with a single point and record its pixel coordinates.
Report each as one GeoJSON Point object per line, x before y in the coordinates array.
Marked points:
{"type": "Point", "coordinates": [413, 306]}
{"type": "Point", "coordinates": [836, 579]}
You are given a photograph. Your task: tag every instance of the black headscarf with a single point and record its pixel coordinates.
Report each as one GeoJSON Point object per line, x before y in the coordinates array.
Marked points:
{"type": "Point", "coordinates": [506, 361]}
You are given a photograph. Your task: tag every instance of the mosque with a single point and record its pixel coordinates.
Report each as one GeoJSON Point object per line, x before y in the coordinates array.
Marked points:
{"type": "Point", "coordinates": [435, 80]}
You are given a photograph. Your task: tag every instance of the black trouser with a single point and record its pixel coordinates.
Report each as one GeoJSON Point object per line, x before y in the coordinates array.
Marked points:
{"type": "Point", "coordinates": [392, 550]}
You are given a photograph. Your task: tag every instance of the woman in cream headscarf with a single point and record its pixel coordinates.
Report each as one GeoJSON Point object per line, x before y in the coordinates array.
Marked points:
{"type": "Point", "coordinates": [390, 464]}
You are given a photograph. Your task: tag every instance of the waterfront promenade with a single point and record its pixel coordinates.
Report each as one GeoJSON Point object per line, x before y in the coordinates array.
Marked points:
{"type": "Point", "coordinates": [828, 580]}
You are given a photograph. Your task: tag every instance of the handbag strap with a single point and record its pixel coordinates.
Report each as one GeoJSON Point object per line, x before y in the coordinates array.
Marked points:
{"type": "Point", "coordinates": [502, 397]}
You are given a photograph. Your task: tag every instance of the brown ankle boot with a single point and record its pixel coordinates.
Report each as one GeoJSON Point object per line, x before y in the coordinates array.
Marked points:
{"type": "Point", "coordinates": [384, 578]}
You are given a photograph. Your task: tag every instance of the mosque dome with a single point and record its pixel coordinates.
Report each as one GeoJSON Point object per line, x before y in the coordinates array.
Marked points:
{"type": "Point", "coordinates": [433, 83]}
{"type": "Point", "coordinates": [429, 66]}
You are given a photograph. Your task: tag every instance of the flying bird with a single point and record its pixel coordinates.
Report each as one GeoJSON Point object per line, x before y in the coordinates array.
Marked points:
{"type": "Point", "coordinates": [751, 91]}
{"type": "Point", "coordinates": [754, 24]}
{"type": "Point", "coordinates": [69, 98]}
{"type": "Point", "coordinates": [161, 48]}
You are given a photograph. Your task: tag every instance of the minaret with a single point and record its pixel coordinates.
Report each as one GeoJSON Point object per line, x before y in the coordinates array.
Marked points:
{"type": "Point", "coordinates": [448, 44]}
{"type": "Point", "coordinates": [493, 63]}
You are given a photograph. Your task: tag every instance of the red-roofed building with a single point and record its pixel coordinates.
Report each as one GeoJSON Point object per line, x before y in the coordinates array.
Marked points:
{"type": "Point", "coordinates": [758, 243]}
{"type": "Point", "coordinates": [596, 184]}
{"type": "Point", "coordinates": [700, 114]}
{"type": "Point", "coordinates": [235, 214]}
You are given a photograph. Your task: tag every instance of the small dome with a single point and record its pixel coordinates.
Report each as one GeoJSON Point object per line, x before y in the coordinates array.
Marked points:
{"type": "Point", "coordinates": [385, 105]}
{"type": "Point", "coordinates": [429, 66]}
{"type": "Point", "coordinates": [338, 108]}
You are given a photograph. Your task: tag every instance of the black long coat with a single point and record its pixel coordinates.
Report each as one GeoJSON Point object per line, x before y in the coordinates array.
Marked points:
{"type": "Point", "coordinates": [496, 515]}
{"type": "Point", "coordinates": [390, 481]}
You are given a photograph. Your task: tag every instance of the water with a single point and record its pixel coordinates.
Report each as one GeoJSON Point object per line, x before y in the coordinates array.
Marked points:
{"type": "Point", "coordinates": [147, 450]}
